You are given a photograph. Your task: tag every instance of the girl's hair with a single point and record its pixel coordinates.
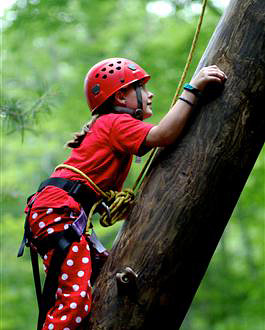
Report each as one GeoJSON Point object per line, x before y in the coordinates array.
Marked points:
{"type": "Point", "coordinates": [79, 137]}
{"type": "Point", "coordinates": [105, 108]}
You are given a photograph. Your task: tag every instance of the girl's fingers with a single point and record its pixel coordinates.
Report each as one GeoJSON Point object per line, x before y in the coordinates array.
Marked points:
{"type": "Point", "coordinates": [218, 73]}
{"type": "Point", "coordinates": [213, 68]}
{"type": "Point", "coordinates": [209, 74]}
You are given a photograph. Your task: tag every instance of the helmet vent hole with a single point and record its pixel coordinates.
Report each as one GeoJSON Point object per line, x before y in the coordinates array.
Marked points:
{"type": "Point", "coordinates": [111, 64]}
{"type": "Point", "coordinates": [104, 76]}
{"type": "Point", "coordinates": [104, 69]}
{"type": "Point", "coordinates": [111, 71]}
{"type": "Point", "coordinates": [97, 75]}
{"type": "Point", "coordinates": [118, 68]}
{"type": "Point", "coordinates": [122, 80]}
{"type": "Point", "coordinates": [119, 62]}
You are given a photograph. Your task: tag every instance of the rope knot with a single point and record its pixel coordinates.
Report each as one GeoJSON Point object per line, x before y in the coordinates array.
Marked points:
{"type": "Point", "coordinates": [119, 204]}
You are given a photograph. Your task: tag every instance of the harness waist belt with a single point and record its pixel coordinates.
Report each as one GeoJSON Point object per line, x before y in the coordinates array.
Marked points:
{"type": "Point", "coordinates": [76, 189]}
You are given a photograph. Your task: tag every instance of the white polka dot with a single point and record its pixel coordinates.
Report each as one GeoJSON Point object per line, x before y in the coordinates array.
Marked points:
{"type": "Point", "coordinates": [66, 294]}
{"type": "Point", "coordinates": [83, 294]}
{"type": "Point", "coordinates": [45, 257]}
{"type": "Point", "coordinates": [78, 319]}
{"type": "Point", "coordinates": [85, 260]}
{"type": "Point", "coordinates": [73, 305]}
{"type": "Point", "coordinates": [59, 290]}
{"type": "Point", "coordinates": [75, 248]}
{"type": "Point", "coordinates": [50, 326]}
{"type": "Point", "coordinates": [87, 247]}
{"type": "Point", "coordinates": [89, 284]}
{"type": "Point", "coordinates": [49, 316]}
{"type": "Point", "coordinates": [41, 224]}
{"type": "Point", "coordinates": [69, 262]}
{"type": "Point", "coordinates": [64, 317]}
{"type": "Point", "coordinates": [76, 287]}
{"type": "Point", "coordinates": [80, 273]}
{"type": "Point", "coordinates": [50, 230]}
{"type": "Point", "coordinates": [57, 219]}
{"type": "Point", "coordinates": [64, 277]}
{"type": "Point", "coordinates": [49, 211]}
{"type": "Point", "coordinates": [66, 329]}
{"type": "Point", "coordinates": [44, 267]}
{"type": "Point", "coordinates": [66, 226]}
{"type": "Point", "coordinates": [34, 216]}
{"type": "Point", "coordinates": [60, 306]}
{"type": "Point", "coordinates": [86, 308]}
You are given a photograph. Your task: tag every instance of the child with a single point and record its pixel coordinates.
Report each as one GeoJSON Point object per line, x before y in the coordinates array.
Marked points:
{"type": "Point", "coordinates": [119, 100]}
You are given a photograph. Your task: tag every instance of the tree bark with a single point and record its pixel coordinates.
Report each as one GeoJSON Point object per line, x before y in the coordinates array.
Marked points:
{"type": "Point", "coordinates": [191, 189]}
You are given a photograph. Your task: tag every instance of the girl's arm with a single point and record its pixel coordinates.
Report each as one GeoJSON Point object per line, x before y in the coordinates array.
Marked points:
{"type": "Point", "coordinates": [172, 124]}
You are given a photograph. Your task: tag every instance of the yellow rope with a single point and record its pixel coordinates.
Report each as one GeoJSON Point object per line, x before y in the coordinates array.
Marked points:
{"type": "Point", "coordinates": [180, 85]}
{"type": "Point", "coordinates": [191, 53]}
{"type": "Point", "coordinates": [119, 201]}
{"type": "Point", "coordinates": [76, 170]}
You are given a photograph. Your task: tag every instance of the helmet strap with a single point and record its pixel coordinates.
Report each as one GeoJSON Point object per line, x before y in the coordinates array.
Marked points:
{"type": "Point", "coordinates": [139, 111]}
{"type": "Point", "coordinates": [134, 113]}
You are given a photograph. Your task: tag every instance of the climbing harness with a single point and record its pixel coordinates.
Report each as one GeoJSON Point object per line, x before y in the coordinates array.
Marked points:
{"type": "Point", "coordinates": [60, 242]}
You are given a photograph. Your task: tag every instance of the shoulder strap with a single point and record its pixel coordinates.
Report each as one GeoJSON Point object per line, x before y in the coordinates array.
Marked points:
{"type": "Point", "coordinates": [36, 275]}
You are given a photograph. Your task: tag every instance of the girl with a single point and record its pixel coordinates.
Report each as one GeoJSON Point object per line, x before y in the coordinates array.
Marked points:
{"type": "Point", "coordinates": [119, 100]}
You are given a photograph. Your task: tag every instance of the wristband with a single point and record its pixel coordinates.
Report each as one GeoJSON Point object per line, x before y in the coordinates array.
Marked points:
{"type": "Point", "coordinates": [192, 90]}
{"type": "Point", "coordinates": [186, 101]}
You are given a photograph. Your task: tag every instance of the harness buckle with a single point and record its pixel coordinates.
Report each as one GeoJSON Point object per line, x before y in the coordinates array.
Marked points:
{"type": "Point", "coordinates": [74, 191]}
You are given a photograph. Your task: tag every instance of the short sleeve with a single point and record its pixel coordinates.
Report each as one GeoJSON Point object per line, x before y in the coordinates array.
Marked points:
{"type": "Point", "coordinates": [128, 133]}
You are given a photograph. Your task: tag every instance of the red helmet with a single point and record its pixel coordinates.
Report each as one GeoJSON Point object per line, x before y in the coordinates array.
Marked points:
{"type": "Point", "coordinates": [108, 76]}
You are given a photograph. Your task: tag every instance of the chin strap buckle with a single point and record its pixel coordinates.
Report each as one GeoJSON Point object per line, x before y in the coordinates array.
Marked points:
{"type": "Point", "coordinates": [138, 114]}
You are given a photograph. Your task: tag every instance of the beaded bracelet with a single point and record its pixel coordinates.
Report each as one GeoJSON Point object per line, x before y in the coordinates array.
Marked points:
{"type": "Point", "coordinates": [187, 101]}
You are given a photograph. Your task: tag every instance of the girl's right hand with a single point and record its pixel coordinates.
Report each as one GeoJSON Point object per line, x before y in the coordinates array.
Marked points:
{"type": "Point", "coordinates": [206, 75]}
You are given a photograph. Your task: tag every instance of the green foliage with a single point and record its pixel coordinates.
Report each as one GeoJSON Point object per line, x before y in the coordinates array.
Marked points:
{"type": "Point", "coordinates": [48, 48]}
{"type": "Point", "coordinates": [19, 116]}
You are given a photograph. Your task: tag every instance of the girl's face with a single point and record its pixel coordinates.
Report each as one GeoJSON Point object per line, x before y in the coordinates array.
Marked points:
{"type": "Point", "coordinates": [131, 100]}
{"type": "Point", "coordinates": [147, 97]}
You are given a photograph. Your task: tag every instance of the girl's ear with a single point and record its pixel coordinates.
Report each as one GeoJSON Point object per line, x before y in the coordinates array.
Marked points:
{"type": "Point", "coordinates": [119, 97]}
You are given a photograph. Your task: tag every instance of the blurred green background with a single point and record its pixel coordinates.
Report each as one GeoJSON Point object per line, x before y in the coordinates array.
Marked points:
{"type": "Point", "coordinates": [47, 48]}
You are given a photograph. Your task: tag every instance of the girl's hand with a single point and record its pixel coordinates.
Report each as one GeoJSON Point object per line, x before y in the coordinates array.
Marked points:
{"type": "Point", "coordinates": [206, 75]}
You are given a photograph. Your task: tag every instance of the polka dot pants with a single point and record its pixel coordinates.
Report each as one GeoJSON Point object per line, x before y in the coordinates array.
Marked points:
{"type": "Point", "coordinates": [73, 296]}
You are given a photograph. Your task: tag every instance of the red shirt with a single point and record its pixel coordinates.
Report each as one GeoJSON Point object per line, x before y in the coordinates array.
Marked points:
{"type": "Point", "coordinates": [105, 155]}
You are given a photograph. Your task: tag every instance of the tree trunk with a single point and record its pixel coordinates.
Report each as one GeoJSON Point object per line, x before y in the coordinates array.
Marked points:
{"type": "Point", "coordinates": [191, 189]}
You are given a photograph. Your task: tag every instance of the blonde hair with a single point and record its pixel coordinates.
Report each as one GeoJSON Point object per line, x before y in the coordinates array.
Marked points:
{"type": "Point", "coordinates": [79, 137]}
{"type": "Point", "coordinates": [104, 109]}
